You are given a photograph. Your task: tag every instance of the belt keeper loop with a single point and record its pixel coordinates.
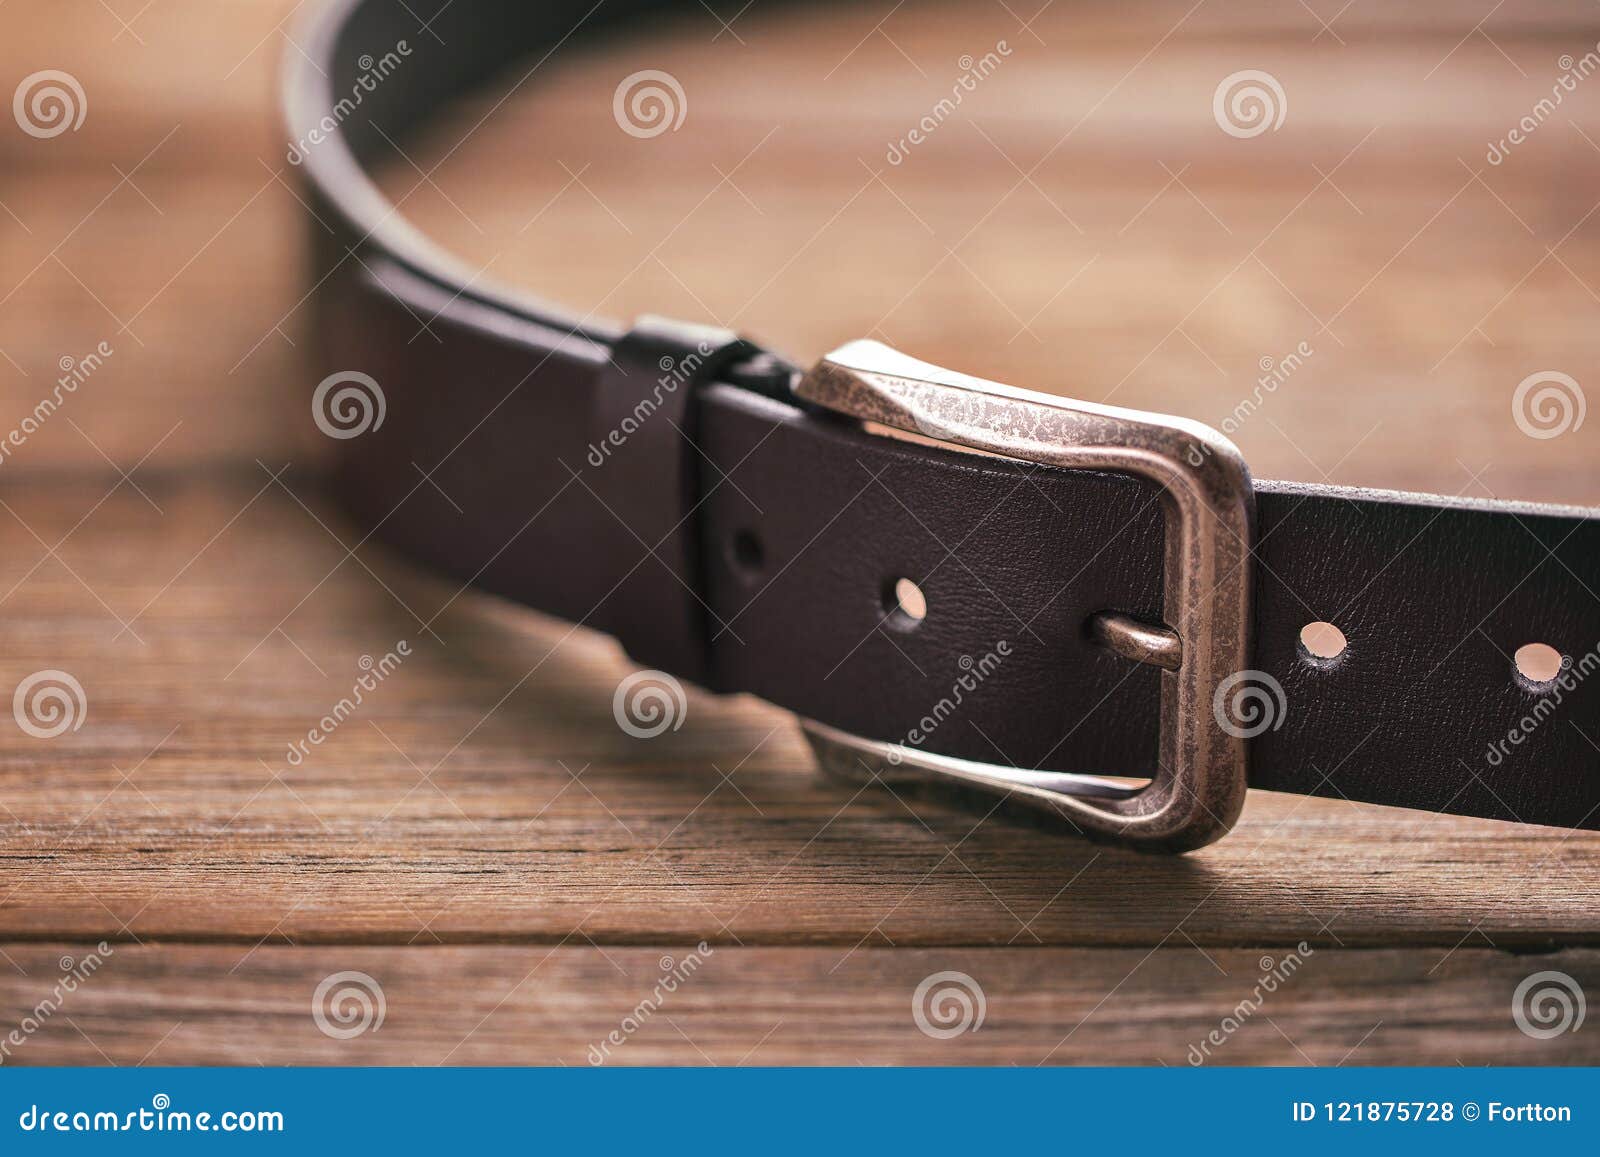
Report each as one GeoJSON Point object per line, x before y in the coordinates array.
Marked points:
{"type": "Point", "coordinates": [644, 464]}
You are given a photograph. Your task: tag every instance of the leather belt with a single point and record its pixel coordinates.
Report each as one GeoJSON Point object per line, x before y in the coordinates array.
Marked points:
{"type": "Point", "coordinates": [1103, 591]}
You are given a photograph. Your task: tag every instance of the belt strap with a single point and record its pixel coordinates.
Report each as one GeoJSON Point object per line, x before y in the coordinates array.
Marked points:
{"type": "Point", "coordinates": [747, 542]}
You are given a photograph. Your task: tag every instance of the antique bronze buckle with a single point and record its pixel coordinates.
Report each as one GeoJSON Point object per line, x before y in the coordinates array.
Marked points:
{"type": "Point", "coordinates": [1198, 789]}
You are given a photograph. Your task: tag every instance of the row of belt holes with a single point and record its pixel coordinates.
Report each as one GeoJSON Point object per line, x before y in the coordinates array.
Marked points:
{"type": "Point", "coordinates": [1536, 664]}
{"type": "Point", "coordinates": [906, 605]}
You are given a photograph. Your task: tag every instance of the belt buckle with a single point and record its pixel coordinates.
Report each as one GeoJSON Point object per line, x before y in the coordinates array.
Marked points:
{"type": "Point", "coordinates": [1198, 788]}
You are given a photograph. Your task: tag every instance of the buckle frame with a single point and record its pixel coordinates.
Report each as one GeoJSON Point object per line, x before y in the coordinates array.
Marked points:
{"type": "Point", "coordinates": [1198, 788]}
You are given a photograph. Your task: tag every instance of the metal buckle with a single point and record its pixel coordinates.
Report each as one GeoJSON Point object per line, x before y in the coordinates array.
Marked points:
{"type": "Point", "coordinates": [1198, 789]}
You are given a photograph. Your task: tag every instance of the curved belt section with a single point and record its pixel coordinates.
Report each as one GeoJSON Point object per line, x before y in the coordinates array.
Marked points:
{"type": "Point", "coordinates": [729, 535]}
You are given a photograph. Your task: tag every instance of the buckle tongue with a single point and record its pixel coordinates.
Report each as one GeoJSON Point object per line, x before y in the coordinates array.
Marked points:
{"type": "Point", "coordinates": [1198, 789]}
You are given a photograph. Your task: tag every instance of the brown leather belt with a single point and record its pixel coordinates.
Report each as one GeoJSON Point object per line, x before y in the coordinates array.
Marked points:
{"type": "Point", "coordinates": [1106, 591]}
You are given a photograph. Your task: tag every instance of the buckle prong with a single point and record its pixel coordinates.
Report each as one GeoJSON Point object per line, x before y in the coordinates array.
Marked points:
{"type": "Point", "coordinates": [1141, 642]}
{"type": "Point", "coordinates": [1197, 790]}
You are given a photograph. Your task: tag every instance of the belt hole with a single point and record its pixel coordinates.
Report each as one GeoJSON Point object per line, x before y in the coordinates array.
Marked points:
{"type": "Point", "coordinates": [1537, 663]}
{"type": "Point", "coordinates": [1322, 641]}
{"type": "Point", "coordinates": [748, 554]}
{"type": "Point", "coordinates": [905, 603]}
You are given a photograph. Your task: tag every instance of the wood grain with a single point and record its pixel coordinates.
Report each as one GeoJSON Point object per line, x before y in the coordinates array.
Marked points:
{"type": "Point", "coordinates": [780, 1006]}
{"type": "Point", "coordinates": [479, 835]}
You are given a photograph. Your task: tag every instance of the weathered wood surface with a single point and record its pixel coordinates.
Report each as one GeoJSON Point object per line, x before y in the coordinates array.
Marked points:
{"type": "Point", "coordinates": [479, 836]}
{"type": "Point", "coordinates": [776, 1006]}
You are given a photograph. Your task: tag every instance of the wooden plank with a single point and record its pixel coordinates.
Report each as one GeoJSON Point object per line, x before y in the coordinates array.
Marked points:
{"type": "Point", "coordinates": [164, 330]}
{"type": "Point", "coordinates": [484, 792]}
{"type": "Point", "coordinates": [187, 1004]}
{"type": "Point", "coordinates": [1167, 258]}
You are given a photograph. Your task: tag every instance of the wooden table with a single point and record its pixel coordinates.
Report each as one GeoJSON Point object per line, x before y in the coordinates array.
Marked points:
{"type": "Point", "coordinates": [479, 839]}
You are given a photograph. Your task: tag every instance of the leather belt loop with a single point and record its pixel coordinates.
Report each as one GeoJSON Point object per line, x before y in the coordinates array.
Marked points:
{"type": "Point", "coordinates": [643, 463]}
